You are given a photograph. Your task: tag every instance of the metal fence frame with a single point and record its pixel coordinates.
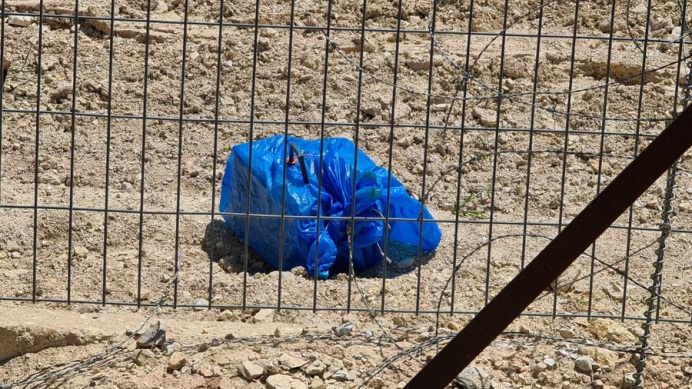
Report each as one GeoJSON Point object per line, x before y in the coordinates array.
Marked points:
{"type": "Point", "coordinates": [331, 47]}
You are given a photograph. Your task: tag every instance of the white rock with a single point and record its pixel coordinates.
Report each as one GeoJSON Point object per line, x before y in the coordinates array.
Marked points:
{"type": "Point", "coordinates": [473, 377]}
{"type": "Point", "coordinates": [201, 304]}
{"type": "Point", "coordinates": [264, 316]}
{"type": "Point", "coordinates": [486, 117]}
{"type": "Point", "coordinates": [80, 252]}
{"type": "Point", "coordinates": [282, 381]}
{"type": "Point", "coordinates": [291, 361]}
{"type": "Point", "coordinates": [342, 375]}
{"type": "Point", "coordinates": [583, 365]}
{"type": "Point", "coordinates": [19, 21]}
{"type": "Point", "coordinates": [315, 367]}
{"type": "Point", "coordinates": [439, 107]}
{"type": "Point", "coordinates": [12, 245]}
{"type": "Point", "coordinates": [344, 329]}
{"type": "Point", "coordinates": [50, 178]}
{"type": "Point", "coordinates": [250, 371]}
{"type": "Point", "coordinates": [628, 381]}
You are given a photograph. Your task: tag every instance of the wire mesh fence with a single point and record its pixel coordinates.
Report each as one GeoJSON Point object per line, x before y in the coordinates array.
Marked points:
{"type": "Point", "coordinates": [504, 118]}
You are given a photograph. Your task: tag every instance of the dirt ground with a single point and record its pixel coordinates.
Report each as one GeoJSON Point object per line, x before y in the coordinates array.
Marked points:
{"type": "Point", "coordinates": [106, 156]}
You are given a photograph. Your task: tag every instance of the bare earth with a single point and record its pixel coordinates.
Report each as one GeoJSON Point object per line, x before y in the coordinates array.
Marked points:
{"type": "Point", "coordinates": [379, 328]}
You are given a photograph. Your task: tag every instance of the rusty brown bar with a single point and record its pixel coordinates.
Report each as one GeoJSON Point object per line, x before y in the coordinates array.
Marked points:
{"type": "Point", "coordinates": [557, 255]}
{"type": "Point", "coordinates": [5, 70]}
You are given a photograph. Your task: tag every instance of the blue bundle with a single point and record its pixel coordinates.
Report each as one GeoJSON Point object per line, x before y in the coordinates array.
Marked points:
{"type": "Point", "coordinates": [323, 249]}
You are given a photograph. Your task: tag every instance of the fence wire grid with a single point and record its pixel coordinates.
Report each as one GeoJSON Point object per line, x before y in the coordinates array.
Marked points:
{"type": "Point", "coordinates": [505, 118]}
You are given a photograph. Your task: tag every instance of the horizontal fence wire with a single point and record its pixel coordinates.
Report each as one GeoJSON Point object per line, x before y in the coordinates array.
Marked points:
{"type": "Point", "coordinates": [116, 129]}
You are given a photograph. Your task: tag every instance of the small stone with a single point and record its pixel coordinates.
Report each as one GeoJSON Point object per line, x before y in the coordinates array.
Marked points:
{"type": "Point", "coordinates": [485, 116]}
{"type": "Point", "coordinates": [154, 336]}
{"type": "Point", "coordinates": [205, 371]}
{"type": "Point", "coordinates": [201, 304]}
{"type": "Point", "coordinates": [15, 255]}
{"type": "Point", "coordinates": [687, 370]}
{"type": "Point", "coordinates": [317, 383]}
{"type": "Point", "coordinates": [291, 361]}
{"type": "Point", "coordinates": [598, 384]}
{"type": "Point", "coordinates": [342, 376]}
{"type": "Point", "coordinates": [614, 291]}
{"type": "Point", "coordinates": [540, 367]}
{"type": "Point", "coordinates": [454, 326]}
{"type": "Point", "coordinates": [126, 186]}
{"type": "Point", "coordinates": [344, 329]}
{"type": "Point", "coordinates": [315, 367]}
{"type": "Point", "coordinates": [439, 107]}
{"type": "Point", "coordinates": [282, 381]}
{"type": "Point", "coordinates": [376, 383]}
{"type": "Point", "coordinates": [473, 377]}
{"type": "Point", "coordinates": [550, 363]}
{"type": "Point", "coordinates": [567, 333]}
{"type": "Point", "coordinates": [12, 245]}
{"type": "Point", "coordinates": [300, 271]}
{"type": "Point", "coordinates": [277, 332]}
{"type": "Point", "coordinates": [250, 371]}
{"type": "Point", "coordinates": [608, 329]}
{"type": "Point", "coordinates": [20, 21]}
{"type": "Point", "coordinates": [263, 316]}
{"type": "Point", "coordinates": [582, 321]}
{"type": "Point", "coordinates": [172, 348]}
{"type": "Point", "coordinates": [271, 369]}
{"type": "Point", "coordinates": [600, 355]}
{"type": "Point", "coordinates": [524, 329]}
{"type": "Point", "coordinates": [372, 109]}
{"type": "Point", "coordinates": [583, 365]}
{"type": "Point", "coordinates": [50, 178]}
{"type": "Point", "coordinates": [176, 361]}
{"type": "Point", "coordinates": [422, 63]}
{"type": "Point", "coordinates": [80, 252]}
{"type": "Point", "coordinates": [628, 381]}
{"type": "Point", "coordinates": [141, 357]}
{"type": "Point", "coordinates": [225, 316]}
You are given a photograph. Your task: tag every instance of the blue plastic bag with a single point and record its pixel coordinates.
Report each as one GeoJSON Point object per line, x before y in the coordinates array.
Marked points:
{"type": "Point", "coordinates": [301, 235]}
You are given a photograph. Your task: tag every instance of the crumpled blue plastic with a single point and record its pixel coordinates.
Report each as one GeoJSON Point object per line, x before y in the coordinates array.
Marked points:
{"type": "Point", "coordinates": [322, 250]}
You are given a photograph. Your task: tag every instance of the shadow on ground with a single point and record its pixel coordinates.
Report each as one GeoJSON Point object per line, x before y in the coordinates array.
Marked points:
{"type": "Point", "coordinates": [225, 248]}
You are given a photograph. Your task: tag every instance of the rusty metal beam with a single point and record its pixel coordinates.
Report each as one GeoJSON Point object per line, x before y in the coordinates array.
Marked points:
{"type": "Point", "coordinates": [558, 255]}
{"type": "Point", "coordinates": [5, 70]}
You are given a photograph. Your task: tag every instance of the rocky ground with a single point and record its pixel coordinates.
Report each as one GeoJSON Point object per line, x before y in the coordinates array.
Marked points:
{"type": "Point", "coordinates": [512, 177]}
{"type": "Point", "coordinates": [265, 348]}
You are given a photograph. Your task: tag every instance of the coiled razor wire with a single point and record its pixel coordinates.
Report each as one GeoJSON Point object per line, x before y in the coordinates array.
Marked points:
{"type": "Point", "coordinates": [654, 299]}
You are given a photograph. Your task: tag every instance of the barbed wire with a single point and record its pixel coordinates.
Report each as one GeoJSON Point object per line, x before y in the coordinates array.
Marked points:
{"type": "Point", "coordinates": [57, 374]}
{"type": "Point", "coordinates": [493, 92]}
